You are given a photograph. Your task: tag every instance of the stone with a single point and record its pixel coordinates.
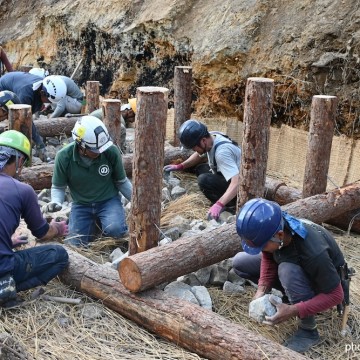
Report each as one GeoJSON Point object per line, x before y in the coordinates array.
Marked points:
{"type": "Point", "coordinates": [181, 291]}
{"type": "Point", "coordinates": [177, 192]}
{"type": "Point", "coordinates": [202, 296]}
{"type": "Point", "coordinates": [218, 276]}
{"type": "Point", "coordinates": [233, 289]}
{"type": "Point", "coordinates": [235, 278]}
{"type": "Point", "coordinates": [261, 307]}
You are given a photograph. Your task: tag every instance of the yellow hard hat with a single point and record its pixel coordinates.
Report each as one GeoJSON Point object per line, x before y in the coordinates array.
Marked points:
{"type": "Point", "coordinates": [132, 103]}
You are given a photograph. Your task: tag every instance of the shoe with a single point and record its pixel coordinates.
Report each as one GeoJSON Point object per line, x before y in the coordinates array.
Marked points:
{"type": "Point", "coordinates": [302, 340]}
{"type": "Point", "coordinates": [7, 289]}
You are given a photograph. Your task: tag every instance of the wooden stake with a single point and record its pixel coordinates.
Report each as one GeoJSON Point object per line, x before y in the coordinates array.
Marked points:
{"type": "Point", "coordinates": [92, 95]}
{"type": "Point", "coordinates": [147, 171]}
{"type": "Point", "coordinates": [182, 98]}
{"type": "Point", "coordinates": [20, 119]}
{"type": "Point", "coordinates": [322, 123]}
{"type": "Point", "coordinates": [112, 119]}
{"type": "Point", "coordinates": [257, 117]}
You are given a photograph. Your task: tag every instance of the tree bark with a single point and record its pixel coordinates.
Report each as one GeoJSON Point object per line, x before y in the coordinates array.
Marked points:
{"type": "Point", "coordinates": [182, 98]}
{"type": "Point", "coordinates": [112, 119]}
{"type": "Point", "coordinates": [187, 325]}
{"type": "Point", "coordinates": [255, 145]}
{"type": "Point", "coordinates": [148, 162]}
{"type": "Point", "coordinates": [323, 113]}
{"type": "Point", "coordinates": [155, 266]}
{"type": "Point", "coordinates": [92, 95]}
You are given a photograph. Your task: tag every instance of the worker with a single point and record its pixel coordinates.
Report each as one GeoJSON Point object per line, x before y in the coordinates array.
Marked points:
{"type": "Point", "coordinates": [28, 268]}
{"type": "Point", "coordinates": [4, 61]}
{"type": "Point", "coordinates": [127, 116]}
{"type": "Point", "coordinates": [63, 94]}
{"type": "Point", "coordinates": [41, 72]}
{"type": "Point", "coordinates": [22, 84]}
{"type": "Point", "coordinates": [302, 255]}
{"type": "Point", "coordinates": [217, 161]}
{"type": "Point", "coordinates": [92, 168]}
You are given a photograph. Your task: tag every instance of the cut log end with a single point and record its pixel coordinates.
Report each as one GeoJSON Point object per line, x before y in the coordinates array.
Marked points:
{"type": "Point", "coordinates": [129, 274]}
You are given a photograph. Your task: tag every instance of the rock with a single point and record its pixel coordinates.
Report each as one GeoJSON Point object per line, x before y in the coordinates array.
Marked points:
{"type": "Point", "coordinates": [165, 241]}
{"type": "Point", "coordinates": [181, 291]}
{"type": "Point", "coordinates": [233, 289]}
{"type": "Point", "coordinates": [116, 262]}
{"type": "Point", "coordinates": [172, 233]}
{"type": "Point", "coordinates": [165, 195]}
{"type": "Point", "coordinates": [218, 276]}
{"type": "Point", "coordinates": [177, 192]}
{"type": "Point", "coordinates": [190, 279]}
{"type": "Point", "coordinates": [261, 307]}
{"type": "Point", "coordinates": [116, 254]}
{"type": "Point", "coordinates": [235, 278]}
{"type": "Point", "coordinates": [203, 274]}
{"type": "Point", "coordinates": [202, 296]}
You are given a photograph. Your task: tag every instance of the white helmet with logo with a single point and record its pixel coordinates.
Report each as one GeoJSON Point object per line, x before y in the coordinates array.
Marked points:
{"type": "Point", "coordinates": [90, 133]}
{"type": "Point", "coordinates": [54, 88]}
{"type": "Point", "coordinates": [41, 72]}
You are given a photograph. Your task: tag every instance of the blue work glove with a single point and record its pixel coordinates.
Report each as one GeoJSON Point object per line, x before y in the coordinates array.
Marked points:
{"type": "Point", "coordinates": [19, 240]}
{"type": "Point", "coordinates": [177, 167]}
{"type": "Point", "coordinates": [215, 210]}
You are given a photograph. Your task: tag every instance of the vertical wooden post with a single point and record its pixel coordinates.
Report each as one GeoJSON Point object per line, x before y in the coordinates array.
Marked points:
{"type": "Point", "coordinates": [92, 95]}
{"type": "Point", "coordinates": [112, 119]}
{"type": "Point", "coordinates": [182, 98]}
{"type": "Point", "coordinates": [322, 123]}
{"type": "Point", "coordinates": [259, 95]}
{"type": "Point", "coordinates": [20, 119]}
{"type": "Point", "coordinates": [147, 169]}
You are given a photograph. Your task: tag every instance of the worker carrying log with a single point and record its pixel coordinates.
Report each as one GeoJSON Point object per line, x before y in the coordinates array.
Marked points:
{"type": "Point", "coordinates": [21, 83]}
{"type": "Point", "coordinates": [28, 268]}
{"type": "Point", "coordinates": [62, 93]}
{"type": "Point", "coordinates": [92, 168]}
{"type": "Point", "coordinates": [298, 256]}
{"type": "Point", "coordinates": [217, 161]}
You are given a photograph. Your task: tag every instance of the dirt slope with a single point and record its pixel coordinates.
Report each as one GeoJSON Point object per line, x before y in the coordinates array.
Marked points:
{"type": "Point", "coordinates": [308, 47]}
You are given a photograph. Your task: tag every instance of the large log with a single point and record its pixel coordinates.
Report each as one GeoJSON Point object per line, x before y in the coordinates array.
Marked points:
{"type": "Point", "coordinates": [39, 177]}
{"type": "Point", "coordinates": [187, 325]}
{"type": "Point", "coordinates": [148, 162]}
{"type": "Point", "coordinates": [145, 270]}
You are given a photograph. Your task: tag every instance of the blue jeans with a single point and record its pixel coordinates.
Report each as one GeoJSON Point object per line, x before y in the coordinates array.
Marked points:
{"type": "Point", "coordinates": [83, 218]}
{"type": "Point", "coordinates": [292, 277]}
{"type": "Point", "coordinates": [38, 265]}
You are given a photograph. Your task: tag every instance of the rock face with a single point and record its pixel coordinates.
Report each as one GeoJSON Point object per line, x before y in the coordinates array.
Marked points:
{"type": "Point", "coordinates": [307, 47]}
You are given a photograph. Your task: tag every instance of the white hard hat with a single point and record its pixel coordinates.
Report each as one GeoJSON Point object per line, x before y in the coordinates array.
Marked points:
{"type": "Point", "coordinates": [39, 72]}
{"type": "Point", "coordinates": [90, 133]}
{"type": "Point", "coordinates": [54, 88]}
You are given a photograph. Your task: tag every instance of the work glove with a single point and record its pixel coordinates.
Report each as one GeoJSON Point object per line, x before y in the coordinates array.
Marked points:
{"type": "Point", "coordinates": [53, 207]}
{"type": "Point", "coordinates": [61, 227]}
{"type": "Point", "coordinates": [215, 211]}
{"type": "Point", "coordinates": [177, 167]}
{"type": "Point", "coordinates": [19, 240]}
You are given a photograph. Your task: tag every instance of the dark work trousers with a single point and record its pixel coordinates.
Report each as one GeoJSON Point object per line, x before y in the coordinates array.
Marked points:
{"type": "Point", "coordinates": [293, 279]}
{"type": "Point", "coordinates": [213, 186]}
{"type": "Point", "coordinates": [38, 265]}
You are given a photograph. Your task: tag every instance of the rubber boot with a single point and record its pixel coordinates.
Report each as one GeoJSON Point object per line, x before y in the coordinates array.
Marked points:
{"type": "Point", "coordinates": [7, 289]}
{"type": "Point", "coordinates": [305, 337]}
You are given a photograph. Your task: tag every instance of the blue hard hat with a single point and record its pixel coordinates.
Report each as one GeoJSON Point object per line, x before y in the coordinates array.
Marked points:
{"type": "Point", "coordinates": [191, 132]}
{"type": "Point", "coordinates": [257, 222]}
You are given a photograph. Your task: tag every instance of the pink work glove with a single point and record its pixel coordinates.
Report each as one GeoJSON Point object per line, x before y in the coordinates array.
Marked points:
{"type": "Point", "coordinates": [19, 240]}
{"type": "Point", "coordinates": [61, 227]}
{"type": "Point", "coordinates": [177, 167]}
{"type": "Point", "coordinates": [215, 211]}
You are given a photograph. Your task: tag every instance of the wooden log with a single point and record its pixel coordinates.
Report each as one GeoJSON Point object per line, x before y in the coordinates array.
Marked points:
{"type": "Point", "coordinates": [144, 221]}
{"type": "Point", "coordinates": [255, 145]}
{"type": "Point", "coordinates": [322, 123]}
{"type": "Point", "coordinates": [187, 325]}
{"type": "Point", "coordinates": [278, 191]}
{"type": "Point", "coordinates": [112, 119]}
{"type": "Point", "coordinates": [182, 98]}
{"type": "Point", "coordinates": [20, 119]}
{"type": "Point", "coordinates": [92, 96]}
{"type": "Point", "coordinates": [145, 270]}
{"type": "Point", "coordinates": [56, 126]}
{"type": "Point", "coordinates": [39, 177]}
